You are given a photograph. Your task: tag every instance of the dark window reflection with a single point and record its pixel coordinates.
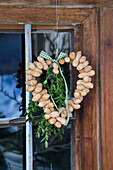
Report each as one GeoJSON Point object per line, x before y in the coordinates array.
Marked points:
{"type": "Point", "coordinates": [50, 42]}
{"type": "Point", "coordinates": [10, 75]}
{"type": "Point", "coordinates": [11, 148]}
{"type": "Point", "coordinates": [57, 156]}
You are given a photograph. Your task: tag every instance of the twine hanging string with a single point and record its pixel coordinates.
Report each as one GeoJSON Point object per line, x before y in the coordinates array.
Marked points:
{"type": "Point", "coordinates": [61, 55]}
{"type": "Point", "coordinates": [58, 42]}
{"type": "Point", "coordinates": [57, 58]}
{"type": "Point", "coordinates": [57, 19]}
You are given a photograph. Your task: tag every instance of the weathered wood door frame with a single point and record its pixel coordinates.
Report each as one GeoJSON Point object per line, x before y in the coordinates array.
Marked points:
{"type": "Point", "coordinates": [86, 22]}
{"type": "Point", "coordinates": [87, 119]}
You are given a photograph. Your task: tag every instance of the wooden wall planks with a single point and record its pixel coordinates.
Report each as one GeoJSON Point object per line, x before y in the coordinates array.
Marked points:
{"type": "Point", "coordinates": [107, 88]}
{"type": "Point", "coordinates": [12, 27]}
{"type": "Point", "coordinates": [43, 15]}
{"type": "Point", "coordinates": [86, 118]}
{"type": "Point", "coordinates": [78, 122]}
{"type": "Point", "coordinates": [89, 111]}
{"type": "Point", "coordinates": [31, 3]}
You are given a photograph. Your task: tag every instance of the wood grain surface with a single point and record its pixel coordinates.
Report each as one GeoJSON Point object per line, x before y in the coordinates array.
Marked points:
{"type": "Point", "coordinates": [86, 39]}
{"type": "Point", "coordinates": [31, 3]}
{"type": "Point", "coordinates": [78, 115]}
{"type": "Point", "coordinates": [11, 27]}
{"type": "Point", "coordinates": [89, 109]}
{"type": "Point", "coordinates": [107, 88]}
{"type": "Point", "coordinates": [43, 15]}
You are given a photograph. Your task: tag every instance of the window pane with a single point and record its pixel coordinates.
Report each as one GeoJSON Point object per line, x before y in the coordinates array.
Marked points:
{"type": "Point", "coordinates": [57, 156]}
{"type": "Point", "coordinates": [11, 148]}
{"type": "Point", "coordinates": [49, 42]}
{"type": "Point", "coordinates": [11, 66]}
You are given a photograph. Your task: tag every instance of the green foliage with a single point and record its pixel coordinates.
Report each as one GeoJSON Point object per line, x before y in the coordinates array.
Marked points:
{"type": "Point", "coordinates": [56, 87]}
{"type": "Point", "coordinates": [32, 110]}
{"type": "Point", "coordinates": [45, 130]}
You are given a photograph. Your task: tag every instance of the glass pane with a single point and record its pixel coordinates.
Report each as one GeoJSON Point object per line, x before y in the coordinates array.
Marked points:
{"type": "Point", "coordinates": [11, 148]}
{"type": "Point", "coordinates": [49, 42]}
{"type": "Point", "coordinates": [57, 156]}
{"type": "Point", "coordinates": [11, 66]}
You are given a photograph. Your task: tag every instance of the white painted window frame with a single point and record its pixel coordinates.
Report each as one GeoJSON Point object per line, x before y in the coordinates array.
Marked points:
{"type": "Point", "coordinates": [28, 58]}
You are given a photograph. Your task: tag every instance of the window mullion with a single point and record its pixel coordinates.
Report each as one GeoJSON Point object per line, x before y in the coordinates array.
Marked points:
{"type": "Point", "coordinates": [28, 58]}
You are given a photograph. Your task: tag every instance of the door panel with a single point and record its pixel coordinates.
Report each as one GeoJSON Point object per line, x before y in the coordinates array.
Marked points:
{"type": "Point", "coordinates": [106, 89]}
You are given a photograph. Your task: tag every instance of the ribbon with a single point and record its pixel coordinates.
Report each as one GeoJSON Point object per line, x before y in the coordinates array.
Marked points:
{"type": "Point", "coordinates": [60, 56]}
{"type": "Point", "coordinates": [46, 56]}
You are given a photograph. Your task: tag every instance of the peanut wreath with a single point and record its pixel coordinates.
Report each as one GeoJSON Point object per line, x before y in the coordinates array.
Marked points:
{"type": "Point", "coordinates": [56, 116]}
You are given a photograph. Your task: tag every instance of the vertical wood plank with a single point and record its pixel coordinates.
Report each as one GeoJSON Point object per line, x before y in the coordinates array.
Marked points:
{"type": "Point", "coordinates": [89, 111]}
{"type": "Point", "coordinates": [86, 118]}
{"type": "Point", "coordinates": [72, 84]}
{"type": "Point", "coordinates": [107, 88]}
{"type": "Point", "coordinates": [78, 46]}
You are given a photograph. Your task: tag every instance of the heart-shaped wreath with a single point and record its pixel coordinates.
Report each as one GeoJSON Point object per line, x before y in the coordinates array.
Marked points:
{"type": "Point", "coordinates": [54, 114]}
